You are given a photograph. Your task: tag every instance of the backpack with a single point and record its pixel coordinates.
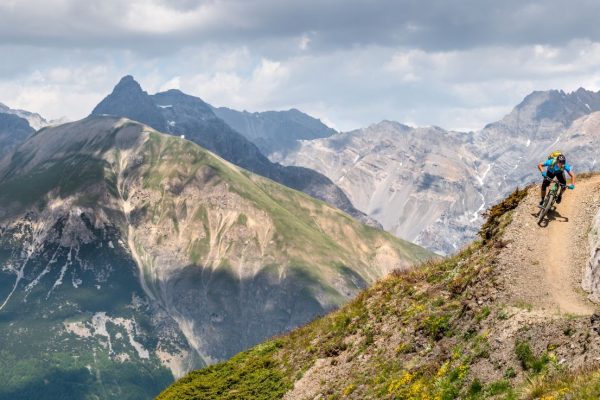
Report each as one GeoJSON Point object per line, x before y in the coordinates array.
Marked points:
{"type": "Point", "coordinates": [554, 154]}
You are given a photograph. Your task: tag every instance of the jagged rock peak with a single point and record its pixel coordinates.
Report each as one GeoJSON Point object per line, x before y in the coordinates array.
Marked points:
{"type": "Point", "coordinates": [128, 99]}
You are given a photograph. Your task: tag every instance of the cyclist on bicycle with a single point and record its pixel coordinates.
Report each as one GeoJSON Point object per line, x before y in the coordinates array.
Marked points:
{"type": "Point", "coordinates": [556, 167]}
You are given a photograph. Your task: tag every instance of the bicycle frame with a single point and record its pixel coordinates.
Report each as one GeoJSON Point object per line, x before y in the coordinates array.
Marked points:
{"type": "Point", "coordinates": [554, 189]}
{"type": "Point", "coordinates": [549, 199]}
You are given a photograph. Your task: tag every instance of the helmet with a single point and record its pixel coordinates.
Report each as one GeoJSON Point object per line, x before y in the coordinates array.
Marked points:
{"type": "Point", "coordinates": [561, 159]}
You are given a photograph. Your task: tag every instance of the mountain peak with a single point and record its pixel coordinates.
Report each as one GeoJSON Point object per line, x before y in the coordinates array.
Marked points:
{"type": "Point", "coordinates": [556, 105]}
{"type": "Point", "coordinates": [128, 99]}
{"type": "Point", "coordinates": [128, 83]}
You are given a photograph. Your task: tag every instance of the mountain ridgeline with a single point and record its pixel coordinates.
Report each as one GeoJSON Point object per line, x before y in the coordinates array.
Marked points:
{"type": "Point", "coordinates": [130, 256]}
{"type": "Point", "coordinates": [275, 132]}
{"type": "Point", "coordinates": [17, 125]}
{"type": "Point", "coordinates": [177, 113]}
{"type": "Point", "coordinates": [34, 120]}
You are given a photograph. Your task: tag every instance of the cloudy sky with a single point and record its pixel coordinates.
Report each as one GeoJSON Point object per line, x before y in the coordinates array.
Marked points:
{"type": "Point", "coordinates": [456, 64]}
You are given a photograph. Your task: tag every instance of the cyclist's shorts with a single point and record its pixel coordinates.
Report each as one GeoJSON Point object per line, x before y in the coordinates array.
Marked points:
{"type": "Point", "coordinates": [560, 176]}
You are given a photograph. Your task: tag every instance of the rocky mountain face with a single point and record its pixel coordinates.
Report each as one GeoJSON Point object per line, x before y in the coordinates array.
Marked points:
{"type": "Point", "coordinates": [274, 132]}
{"type": "Point", "coordinates": [176, 113]}
{"type": "Point", "coordinates": [445, 179]}
{"type": "Point", "coordinates": [541, 123]}
{"type": "Point", "coordinates": [406, 178]}
{"type": "Point", "coordinates": [128, 257]}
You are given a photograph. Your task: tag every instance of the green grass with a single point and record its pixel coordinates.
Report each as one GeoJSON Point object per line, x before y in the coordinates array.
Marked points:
{"type": "Point", "coordinates": [39, 359]}
{"type": "Point", "coordinates": [255, 374]}
{"type": "Point", "coordinates": [529, 361]}
{"type": "Point", "coordinates": [66, 175]}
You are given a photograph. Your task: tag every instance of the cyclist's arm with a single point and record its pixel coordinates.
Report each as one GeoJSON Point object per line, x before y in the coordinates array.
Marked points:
{"type": "Point", "coordinates": [541, 167]}
{"type": "Point", "coordinates": [546, 163]}
{"type": "Point", "coordinates": [572, 175]}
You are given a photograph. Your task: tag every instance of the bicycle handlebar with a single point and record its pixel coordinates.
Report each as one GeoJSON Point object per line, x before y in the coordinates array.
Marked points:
{"type": "Point", "coordinates": [552, 180]}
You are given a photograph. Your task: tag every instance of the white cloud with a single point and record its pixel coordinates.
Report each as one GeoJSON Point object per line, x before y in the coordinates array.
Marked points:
{"type": "Point", "coordinates": [366, 64]}
{"type": "Point", "coordinates": [156, 18]}
{"type": "Point", "coordinates": [174, 83]}
{"type": "Point", "coordinates": [351, 88]}
{"type": "Point", "coordinates": [304, 42]}
{"type": "Point", "coordinates": [58, 92]}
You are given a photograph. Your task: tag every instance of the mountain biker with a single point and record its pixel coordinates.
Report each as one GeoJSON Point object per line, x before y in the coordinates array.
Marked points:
{"type": "Point", "coordinates": [556, 167]}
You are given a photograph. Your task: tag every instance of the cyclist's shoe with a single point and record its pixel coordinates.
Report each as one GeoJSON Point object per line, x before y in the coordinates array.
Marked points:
{"type": "Point", "coordinates": [558, 199]}
{"type": "Point", "coordinates": [541, 203]}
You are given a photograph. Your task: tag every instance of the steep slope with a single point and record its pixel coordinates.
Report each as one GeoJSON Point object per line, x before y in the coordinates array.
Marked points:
{"type": "Point", "coordinates": [176, 113]}
{"type": "Point", "coordinates": [484, 165]}
{"type": "Point", "coordinates": [13, 131]}
{"type": "Point", "coordinates": [126, 253]}
{"type": "Point", "coordinates": [274, 132]}
{"type": "Point", "coordinates": [451, 329]}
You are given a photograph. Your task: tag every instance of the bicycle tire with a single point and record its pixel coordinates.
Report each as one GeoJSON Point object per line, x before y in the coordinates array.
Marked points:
{"type": "Point", "coordinates": [547, 206]}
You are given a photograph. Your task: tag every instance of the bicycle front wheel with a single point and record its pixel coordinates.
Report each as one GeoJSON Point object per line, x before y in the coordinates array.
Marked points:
{"type": "Point", "coordinates": [546, 207]}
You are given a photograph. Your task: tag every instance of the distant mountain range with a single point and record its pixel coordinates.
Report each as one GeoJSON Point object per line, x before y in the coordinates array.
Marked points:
{"type": "Point", "coordinates": [16, 125]}
{"type": "Point", "coordinates": [13, 131]}
{"type": "Point", "coordinates": [426, 185]}
{"type": "Point", "coordinates": [429, 185]}
{"type": "Point", "coordinates": [34, 120]}
{"type": "Point", "coordinates": [275, 132]}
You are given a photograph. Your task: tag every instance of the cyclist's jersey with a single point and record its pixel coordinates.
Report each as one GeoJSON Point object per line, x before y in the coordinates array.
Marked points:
{"type": "Point", "coordinates": [554, 168]}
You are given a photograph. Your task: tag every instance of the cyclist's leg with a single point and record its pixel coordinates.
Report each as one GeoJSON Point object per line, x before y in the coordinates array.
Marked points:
{"type": "Point", "coordinates": [546, 183]}
{"type": "Point", "coordinates": [561, 178]}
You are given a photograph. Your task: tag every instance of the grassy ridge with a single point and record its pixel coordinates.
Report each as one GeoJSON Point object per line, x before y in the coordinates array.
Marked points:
{"type": "Point", "coordinates": [171, 163]}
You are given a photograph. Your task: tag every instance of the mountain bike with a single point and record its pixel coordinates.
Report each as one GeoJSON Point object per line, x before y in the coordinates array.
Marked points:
{"type": "Point", "coordinates": [550, 198]}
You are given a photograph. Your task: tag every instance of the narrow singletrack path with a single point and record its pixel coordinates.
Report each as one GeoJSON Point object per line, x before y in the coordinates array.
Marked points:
{"type": "Point", "coordinates": [542, 266]}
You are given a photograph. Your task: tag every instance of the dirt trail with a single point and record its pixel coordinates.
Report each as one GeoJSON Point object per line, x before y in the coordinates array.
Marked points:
{"type": "Point", "coordinates": [541, 267]}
